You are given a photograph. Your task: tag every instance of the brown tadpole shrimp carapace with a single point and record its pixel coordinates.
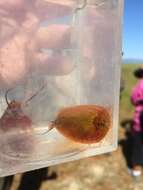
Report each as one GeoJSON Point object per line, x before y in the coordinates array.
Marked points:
{"type": "Point", "coordinates": [85, 124]}
{"type": "Point", "coordinates": [14, 117]}
{"type": "Point", "coordinates": [18, 127]}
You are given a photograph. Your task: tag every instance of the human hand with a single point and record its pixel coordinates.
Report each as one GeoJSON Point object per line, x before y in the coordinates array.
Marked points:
{"type": "Point", "coordinates": [24, 35]}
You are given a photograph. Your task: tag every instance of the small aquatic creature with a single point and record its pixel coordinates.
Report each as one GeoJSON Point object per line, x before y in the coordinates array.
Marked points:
{"type": "Point", "coordinates": [84, 123]}
{"type": "Point", "coordinates": [14, 117]}
{"type": "Point", "coordinates": [18, 126]}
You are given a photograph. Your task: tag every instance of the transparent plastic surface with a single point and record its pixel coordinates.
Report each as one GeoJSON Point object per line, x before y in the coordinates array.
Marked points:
{"type": "Point", "coordinates": [59, 81]}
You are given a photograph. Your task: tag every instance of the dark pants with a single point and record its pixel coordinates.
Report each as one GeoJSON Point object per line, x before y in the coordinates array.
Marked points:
{"type": "Point", "coordinates": [137, 151]}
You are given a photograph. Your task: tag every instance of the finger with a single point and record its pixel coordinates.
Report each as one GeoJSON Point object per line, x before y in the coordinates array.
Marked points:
{"type": "Point", "coordinates": [52, 9]}
{"type": "Point", "coordinates": [43, 9]}
{"type": "Point", "coordinates": [54, 37]}
{"type": "Point", "coordinates": [13, 3]}
{"type": "Point", "coordinates": [13, 66]}
{"type": "Point", "coordinates": [55, 64]}
{"type": "Point", "coordinates": [8, 29]}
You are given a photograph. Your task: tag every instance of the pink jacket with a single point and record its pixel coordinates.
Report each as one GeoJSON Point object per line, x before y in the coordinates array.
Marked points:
{"type": "Point", "coordinates": [136, 96]}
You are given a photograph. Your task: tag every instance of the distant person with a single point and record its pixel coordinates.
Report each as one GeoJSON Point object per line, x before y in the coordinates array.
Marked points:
{"type": "Point", "coordinates": [122, 87]}
{"type": "Point", "coordinates": [137, 128]}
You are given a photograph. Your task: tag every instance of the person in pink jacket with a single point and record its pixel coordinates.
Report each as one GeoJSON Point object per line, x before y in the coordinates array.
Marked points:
{"type": "Point", "coordinates": [137, 128]}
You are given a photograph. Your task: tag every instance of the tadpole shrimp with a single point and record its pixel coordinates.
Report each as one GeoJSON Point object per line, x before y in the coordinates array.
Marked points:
{"type": "Point", "coordinates": [16, 128]}
{"type": "Point", "coordinates": [85, 124]}
{"type": "Point", "coordinates": [14, 117]}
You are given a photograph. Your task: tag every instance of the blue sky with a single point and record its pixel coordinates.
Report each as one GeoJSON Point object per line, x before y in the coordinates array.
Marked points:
{"type": "Point", "coordinates": [133, 29]}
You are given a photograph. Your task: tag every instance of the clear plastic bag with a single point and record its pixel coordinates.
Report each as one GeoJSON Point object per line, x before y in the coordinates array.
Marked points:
{"type": "Point", "coordinates": [60, 75]}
